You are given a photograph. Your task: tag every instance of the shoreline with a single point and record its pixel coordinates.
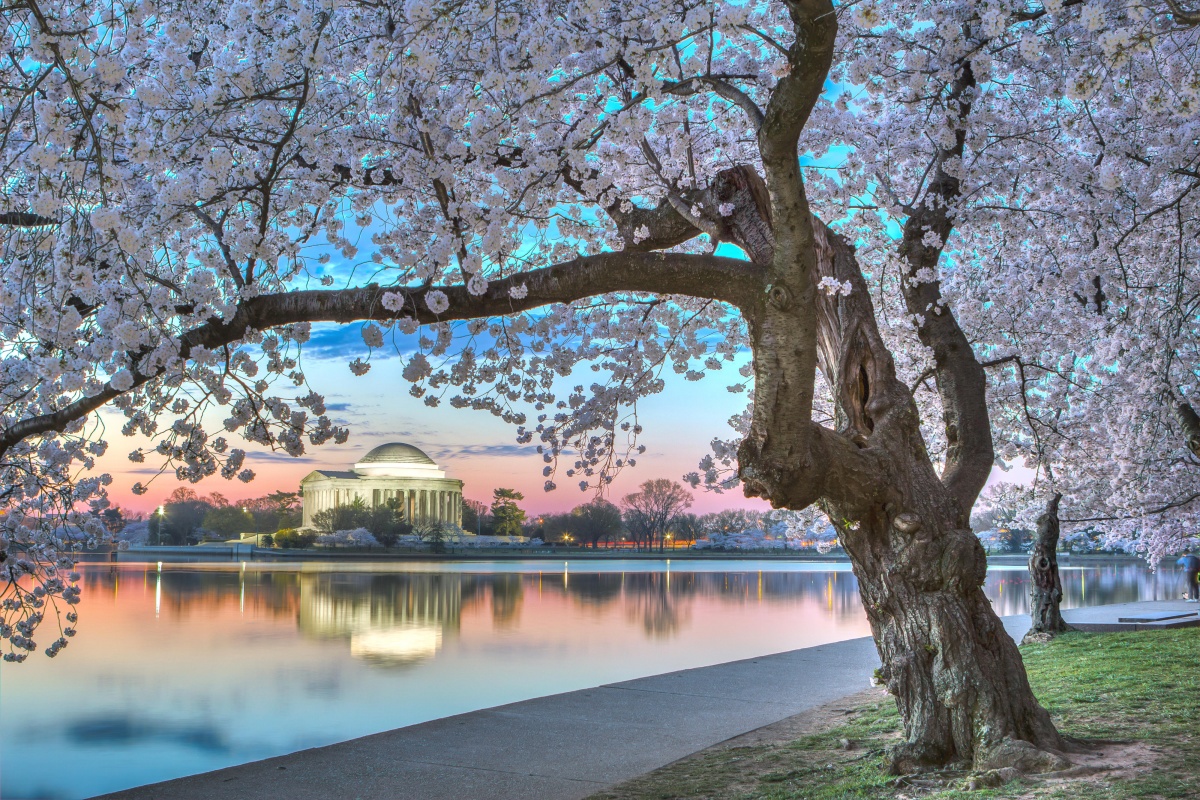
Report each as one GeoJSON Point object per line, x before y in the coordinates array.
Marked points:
{"type": "Point", "coordinates": [169, 554]}
{"type": "Point", "coordinates": [565, 746]}
{"type": "Point", "coordinates": [578, 744]}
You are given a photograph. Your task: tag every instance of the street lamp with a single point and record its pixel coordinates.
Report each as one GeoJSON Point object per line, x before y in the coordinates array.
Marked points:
{"type": "Point", "coordinates": [158, 530]}
{"type": "Point", "coordinates": [253, 525]}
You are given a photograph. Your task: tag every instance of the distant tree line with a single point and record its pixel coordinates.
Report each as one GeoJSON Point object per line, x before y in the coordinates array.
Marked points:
{"type": "Point", "coordinates": [188, 518]}
{"type": "Point", "coordinates": [652, 518]}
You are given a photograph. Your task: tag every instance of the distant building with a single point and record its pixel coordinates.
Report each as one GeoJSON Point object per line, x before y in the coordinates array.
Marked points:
{"type": "Point", "coordinates": [396, 470]}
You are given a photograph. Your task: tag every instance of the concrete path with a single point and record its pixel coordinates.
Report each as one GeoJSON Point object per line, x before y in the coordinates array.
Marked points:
{"type": "Point", "coordinates": [1141, 616]}
{"type": "Point", "coordinates": [562, 747]}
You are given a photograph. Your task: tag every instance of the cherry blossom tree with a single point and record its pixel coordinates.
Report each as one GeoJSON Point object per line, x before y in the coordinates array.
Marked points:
{"type": "Point", "coordinates": [1079, 228]}
{"type": "Point", "coordinates": [909, 198]}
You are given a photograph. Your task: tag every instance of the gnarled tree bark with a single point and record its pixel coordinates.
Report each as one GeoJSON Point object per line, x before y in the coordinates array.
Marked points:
{"type": "Point", "coordinates": [1045, 587]}
{"type": "Point", "coordinates": [957, 676]}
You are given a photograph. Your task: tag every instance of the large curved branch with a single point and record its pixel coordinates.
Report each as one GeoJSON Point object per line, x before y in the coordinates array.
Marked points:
{"type": "Point", "coordinates": [726, 279]}
{"type": "Point", "coordinates": [784, 454]}
{"type": "Point", "coordinates": [724, 89]}
{"type": "Point", "coordinates": [792, 100]}
{"type": "Point", "coordinates": [961, 381]}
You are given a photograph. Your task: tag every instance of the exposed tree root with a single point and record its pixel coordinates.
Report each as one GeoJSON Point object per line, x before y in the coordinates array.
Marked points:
{"type": "Point", "coordinates": [1041, 637]}
{"type": "Point", "coordinates": [908, 761]}
{"type": "Point", "coordinates": [1021, 756]}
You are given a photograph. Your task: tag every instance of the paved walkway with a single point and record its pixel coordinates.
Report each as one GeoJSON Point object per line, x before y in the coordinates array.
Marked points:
{"type": "Point", "coordinates": [1142, 616]}
{"type": "Point", "coordinates": [568, 746]}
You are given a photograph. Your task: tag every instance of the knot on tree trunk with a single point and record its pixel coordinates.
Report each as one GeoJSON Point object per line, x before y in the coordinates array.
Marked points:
{"type": "Point", "coordinates": [779, 296]}
{"type": "Point", "coordinates": [790, 483]}
{"type": "Point", "coordinates": [966, 560]}
{"type": "Point", "coordinates": [953, 561]}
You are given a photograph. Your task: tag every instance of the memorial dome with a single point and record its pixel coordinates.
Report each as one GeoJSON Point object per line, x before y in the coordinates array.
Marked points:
{"type": "Point", "coordinates": [396, 453]}
{"type": "Point", "coordinates": [397, 459]}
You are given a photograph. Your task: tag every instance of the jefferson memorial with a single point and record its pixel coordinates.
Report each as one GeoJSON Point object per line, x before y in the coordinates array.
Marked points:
{"type": "Point", "coordinates": [397, 470]}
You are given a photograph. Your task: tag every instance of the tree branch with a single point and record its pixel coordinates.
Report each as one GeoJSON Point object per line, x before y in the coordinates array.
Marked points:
{"type": "Point", "coordinates": [1182, 16]}
{"type": "Point", "coordinates": [219, 234]}
{"type": "Point", "coordinates": [792, 100]}
{"type": "Point", "coordinates": [961, 381]}
{"type": "Point", "coordinates": [24, 219]}
{"type": "Point", "coordinates": [729, 280]}
{"type": "Point", "coordinates": [724, 89]}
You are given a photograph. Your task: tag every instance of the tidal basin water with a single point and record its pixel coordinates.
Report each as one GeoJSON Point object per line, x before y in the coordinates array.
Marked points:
{"type": "Point", "coordinates": [186, 668]}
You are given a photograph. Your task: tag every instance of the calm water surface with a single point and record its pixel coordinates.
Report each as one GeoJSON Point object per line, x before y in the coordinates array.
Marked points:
{"type": "Point", "coordinates": [192, 667]}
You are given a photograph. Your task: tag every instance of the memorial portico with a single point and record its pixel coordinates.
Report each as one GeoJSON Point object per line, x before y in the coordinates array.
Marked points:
{"type": "Point", "coordinates": [424, 493]}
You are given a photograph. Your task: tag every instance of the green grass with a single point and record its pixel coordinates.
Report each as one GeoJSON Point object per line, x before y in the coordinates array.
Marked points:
{"type": "Point", "coordinates": [1141, 688]}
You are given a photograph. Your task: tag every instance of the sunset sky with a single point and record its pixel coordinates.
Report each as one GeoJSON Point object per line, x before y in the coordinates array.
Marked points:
{"type": "Point", "coordinates": [473, 446]}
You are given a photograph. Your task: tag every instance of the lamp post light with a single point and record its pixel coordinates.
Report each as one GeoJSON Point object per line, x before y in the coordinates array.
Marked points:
{"type": "Point", "coordinates": [158, 530]}
{"type": "Point", "coordinates": [253, 524]}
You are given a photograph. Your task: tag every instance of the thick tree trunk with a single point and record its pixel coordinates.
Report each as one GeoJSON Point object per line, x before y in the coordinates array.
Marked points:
{"type": "Point", "coordinates": [956, 674]}
{"type": "Point", "coordinates": [1045, 587]}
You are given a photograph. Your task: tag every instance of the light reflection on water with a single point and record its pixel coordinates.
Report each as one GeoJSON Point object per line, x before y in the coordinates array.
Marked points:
{"type": "Point", "coordinates": [193, 667]}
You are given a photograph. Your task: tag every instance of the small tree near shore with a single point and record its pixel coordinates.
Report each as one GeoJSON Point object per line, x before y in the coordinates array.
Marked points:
{"type": "Point", "coordinates": [507, 516]}
{"type": "Point", "coordinates": [657, 506]}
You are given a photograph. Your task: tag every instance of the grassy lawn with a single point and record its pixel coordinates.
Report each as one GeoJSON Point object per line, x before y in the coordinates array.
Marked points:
{"type": "Point", "coordinates": [1135, 694]}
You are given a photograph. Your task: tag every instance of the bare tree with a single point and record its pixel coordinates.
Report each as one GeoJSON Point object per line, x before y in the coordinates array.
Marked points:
{"type": "Point", "coordinates": [688, 528]}
{"type": "Point", "coordinates": [659, 504]}
{"type": "Point", "coordinates": [641, 530]}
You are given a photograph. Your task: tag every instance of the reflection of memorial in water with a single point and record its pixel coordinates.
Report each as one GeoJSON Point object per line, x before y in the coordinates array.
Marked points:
{"type": "Point", "coordinates": [390, 620]}
{"type": "Point", "coordinates": [402, 618]}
